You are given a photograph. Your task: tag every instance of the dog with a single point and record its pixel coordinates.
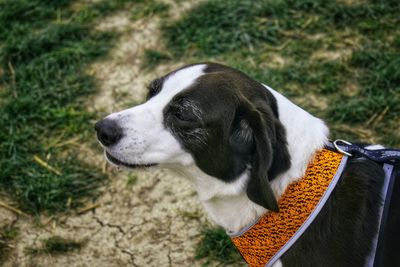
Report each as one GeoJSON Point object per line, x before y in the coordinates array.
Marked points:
{"type": "Point", "coordinates": [241, 144]}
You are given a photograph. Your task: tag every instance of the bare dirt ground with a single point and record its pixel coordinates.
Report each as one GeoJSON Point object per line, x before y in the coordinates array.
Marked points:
{"type": "Point", "coordinates": [154, 220]}
{"type": "Point", "coordinates": [144, 224]}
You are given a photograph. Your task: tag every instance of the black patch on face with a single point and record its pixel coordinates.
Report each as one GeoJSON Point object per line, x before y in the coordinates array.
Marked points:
{"type": "Point", "coordinates": [214, 67]}
{"type": "Point", "coordinates": [154, 87]}
{"type": "Point", "coordinates": [229, 123]}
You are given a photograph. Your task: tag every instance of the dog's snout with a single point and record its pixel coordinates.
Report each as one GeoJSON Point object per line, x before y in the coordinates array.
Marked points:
{"type": "Point", "coordinates": [108, 132]}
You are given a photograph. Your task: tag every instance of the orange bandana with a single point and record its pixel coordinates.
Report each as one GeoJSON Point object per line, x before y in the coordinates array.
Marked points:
{"type": "Point", "coordinates": [275, 232]}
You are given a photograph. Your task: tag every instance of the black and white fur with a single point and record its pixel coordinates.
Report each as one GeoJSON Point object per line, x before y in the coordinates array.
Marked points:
{"type": "Point", "coordinates": [241, 144]}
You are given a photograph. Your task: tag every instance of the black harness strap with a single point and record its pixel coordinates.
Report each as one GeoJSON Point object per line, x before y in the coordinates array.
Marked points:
{"type": "Point", "coordinates": [387, 156]}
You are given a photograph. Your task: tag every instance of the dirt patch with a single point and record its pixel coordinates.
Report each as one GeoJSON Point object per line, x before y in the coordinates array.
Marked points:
{"type": "Point", "coordinates": [146, 222]}
{"type": "Point", "coordinates": [312, 101]}
{"type": "Point", "coordinates": [274, 61]}
{"type": "Point", "coordinates": [121, 77]}
{"type": "Point", "coordinates": [351, 88]}
{"type": "Point", "coordinates": [323, 55]}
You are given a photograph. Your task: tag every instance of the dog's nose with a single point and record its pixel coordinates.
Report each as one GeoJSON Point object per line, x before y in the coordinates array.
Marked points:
{"type": "Point", "coordinates": [108, 131]}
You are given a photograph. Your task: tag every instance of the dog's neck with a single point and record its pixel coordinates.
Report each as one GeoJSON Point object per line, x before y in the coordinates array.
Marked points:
{"type": "Point", "coordinates": [228, 204]}
{"type": "Point", "coordinates": [305, 135]}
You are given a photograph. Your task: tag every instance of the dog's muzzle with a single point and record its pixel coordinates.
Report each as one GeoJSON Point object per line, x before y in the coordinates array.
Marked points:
{"type": "Point", "coordinates": [109, 133]}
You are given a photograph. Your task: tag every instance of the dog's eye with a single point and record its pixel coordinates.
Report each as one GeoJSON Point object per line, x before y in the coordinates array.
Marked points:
{"type": "Point", "coordinates": [183, 113]}
{"type": "Point", "coordinates": [184, 117]}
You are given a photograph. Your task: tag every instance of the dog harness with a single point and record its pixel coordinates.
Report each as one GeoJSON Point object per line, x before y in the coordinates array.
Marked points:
{"type": "Point", "coordinates": [266, 240]}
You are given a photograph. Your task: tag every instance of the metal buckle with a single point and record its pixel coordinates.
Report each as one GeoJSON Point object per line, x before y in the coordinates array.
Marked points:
{"type": "Point", "coordinates": [335, 143]}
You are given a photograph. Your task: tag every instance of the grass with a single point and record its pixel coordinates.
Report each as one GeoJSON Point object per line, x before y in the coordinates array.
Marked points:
{"type": "Point", "coordinates": [56, 245]}
{"type": "Point", "coordinates": [153, 58]}
{"type": "Point", "coordinates": [149, 8]}
{"type": "Point", "coordinates": [217, 246]}
{"type": "Point", "coordinates": [325, 46]}
{"type": "Point", "coordinates": [45, 47]}
{"type": "Point", "coordinates": [132, 180]}
{"type": "Point", "coordinates": [8, 233]}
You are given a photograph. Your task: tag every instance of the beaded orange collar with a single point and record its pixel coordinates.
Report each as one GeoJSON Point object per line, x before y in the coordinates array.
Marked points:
{"type": "Point", "coordinates": [269, 238]}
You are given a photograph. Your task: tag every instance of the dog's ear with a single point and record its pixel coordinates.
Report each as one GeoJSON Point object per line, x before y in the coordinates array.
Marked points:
{"type": "Point", "coordinates": [266, 130]}
{"type": "Point", "coordinates": [241, 141]}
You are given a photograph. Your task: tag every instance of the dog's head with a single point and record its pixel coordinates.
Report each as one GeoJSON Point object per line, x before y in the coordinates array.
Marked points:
{"type": "Point", "coordinates": [209, 115]}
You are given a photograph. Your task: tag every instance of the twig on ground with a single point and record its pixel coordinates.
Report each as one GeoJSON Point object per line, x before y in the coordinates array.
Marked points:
{"type": "Point", "coordinates": [377, 117]}
{"type": "Point", "coordinates": [381, 115]}
{"type": "Point", "coordinates": [15, 210]}
{"type": "Point", "coordinates": [104, 167]}
{"type": "Point", "coordinates": [13, 79]}
{"type": "Point", "coordinates": [46, 222]}
{"type": "Point", "coordinates": [88, 208]}
{"type": "Point", "coordinates": [6, 244]}
{"type": "Point", "coordinates": [278, 48]}
{"type": "Point", "coordinates": [46, 165]}
{"type": "Point", "coordinates": [371, 119]}
{"type": "Point", "coordinates": [308, 22]}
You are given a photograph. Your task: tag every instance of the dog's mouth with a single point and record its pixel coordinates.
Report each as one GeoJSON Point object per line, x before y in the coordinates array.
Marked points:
{"type": "Point", "coordinates": [118, 162]}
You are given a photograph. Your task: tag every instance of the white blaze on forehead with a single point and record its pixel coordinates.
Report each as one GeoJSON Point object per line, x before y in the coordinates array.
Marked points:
{"type": "Point", "coordinates": [177, 82]}
{"type": "Point", "coordinates": [145, 139]}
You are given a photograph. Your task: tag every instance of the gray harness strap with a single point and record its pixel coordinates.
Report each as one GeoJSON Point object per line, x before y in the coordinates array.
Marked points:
{"type": "Point", "coordinates": [388, 169]}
